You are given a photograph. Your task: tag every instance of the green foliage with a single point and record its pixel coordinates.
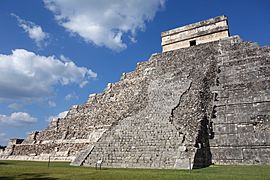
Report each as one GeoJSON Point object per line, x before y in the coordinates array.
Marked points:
{"type": "Point", "coordinates": [10, 170]}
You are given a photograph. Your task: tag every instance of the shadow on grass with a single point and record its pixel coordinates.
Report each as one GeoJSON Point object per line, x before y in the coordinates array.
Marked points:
{"type": "Point", "coordinates": [28, 176]}
{"type": "Point", "coordinates": [6, 178]}
{"type": "Point", "coordinates": [4, 163]}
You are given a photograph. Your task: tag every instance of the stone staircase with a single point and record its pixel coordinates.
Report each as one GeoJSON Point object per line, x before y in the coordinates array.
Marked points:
{"type": "Point", "coordinates": [157, 136]}
{"type": "Point", "coordinates": [82, 155]}
{"type": "Point", "coordinates": [146, 139]}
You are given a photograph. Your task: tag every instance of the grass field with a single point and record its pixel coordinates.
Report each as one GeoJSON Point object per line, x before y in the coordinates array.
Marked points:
{"type": "Point", "coordinates": [10, 170]}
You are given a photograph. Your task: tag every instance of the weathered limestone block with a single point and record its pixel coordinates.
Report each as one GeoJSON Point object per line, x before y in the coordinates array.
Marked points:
{"type": "Point", "coordinates": [201, 32]}
{"type": "Point", "coordinates": [31, 138]}
{"type": "Point", "coordinates": [241, 122]}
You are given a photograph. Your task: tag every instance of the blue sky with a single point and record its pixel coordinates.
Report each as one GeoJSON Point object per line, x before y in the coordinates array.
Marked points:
{"type": "Point", "coordinates": [54, 53]}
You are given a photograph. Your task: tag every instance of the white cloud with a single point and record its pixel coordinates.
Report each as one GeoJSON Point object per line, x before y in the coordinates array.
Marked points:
{"type": "Point", "coordinates": [17, 119]}
{"type": "Point", "coordinates": [15, 106]}
{"type": "Point", "coordinates": [60, 115]}
{"type": "Point", "coordinates": [82, 84]}
{"type": "Point", "coordinates": [63, 58]}
{"type": "Point", "coordinates": [71, 96]}
{"type": "Point", "coordinates": [104, 22]}
{"type": "Point", "coordinates": [51, 103]}
{"type": "Point", "coordinates": [26, 75]}
{"type": "Point", "coordinates": [34, 31]}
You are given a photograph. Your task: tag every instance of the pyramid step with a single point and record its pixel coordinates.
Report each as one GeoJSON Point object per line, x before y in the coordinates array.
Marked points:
{"type": "Point", "coordinates": [81, 156]}
{"type": "Point", "coordinates": [245, 52]}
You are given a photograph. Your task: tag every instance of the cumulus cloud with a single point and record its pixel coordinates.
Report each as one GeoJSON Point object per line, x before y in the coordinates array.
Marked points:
{"type": "Point", "coordinates": [60, 115]}
{"type": "Point", "coordinates": [17, 119]}
{"type": "Point", "coordinates": [26, 75]}
{"type": "Point", "coordinates": [64, 58]}
{"type": "Point", "coordinates": [34, 31]}
{"type": "Point", "coordinates": [71, 96]}
{"type": "Point", "coordinates": [104, 22]}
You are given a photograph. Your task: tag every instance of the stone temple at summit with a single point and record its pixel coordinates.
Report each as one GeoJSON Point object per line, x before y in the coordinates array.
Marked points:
{"type": "Point", "coordinates": [205, 99]}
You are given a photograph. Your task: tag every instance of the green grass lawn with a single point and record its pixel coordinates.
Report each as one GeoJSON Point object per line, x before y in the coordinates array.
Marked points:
{"type": "Point", "coordinates": [62, 170]}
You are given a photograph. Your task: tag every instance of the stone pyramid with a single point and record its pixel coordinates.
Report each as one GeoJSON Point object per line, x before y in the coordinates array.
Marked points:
{"type": "Point", "coordinates": [205, 99]}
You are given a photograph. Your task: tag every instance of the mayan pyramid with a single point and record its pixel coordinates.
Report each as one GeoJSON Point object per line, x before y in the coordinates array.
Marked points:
{"type": "Point", "coordinates": [205, 99]}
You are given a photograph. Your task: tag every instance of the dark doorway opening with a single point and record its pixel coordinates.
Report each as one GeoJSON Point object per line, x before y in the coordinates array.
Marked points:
{"type": "Point", "coordinates": [192, 43]}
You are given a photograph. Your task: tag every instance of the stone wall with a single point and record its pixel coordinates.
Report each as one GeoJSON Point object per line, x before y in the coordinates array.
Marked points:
{"type": "Point", "coordinates": [242, 106]}
{"type": "Point", "coordinates": [201, 32]}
